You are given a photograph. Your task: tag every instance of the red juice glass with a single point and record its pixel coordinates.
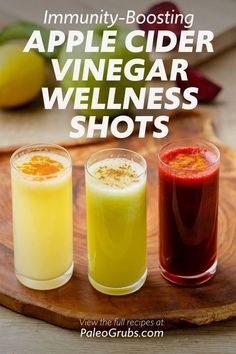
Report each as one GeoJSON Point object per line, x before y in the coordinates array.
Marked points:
{"type": "Point", "coordinates": [188, 210]}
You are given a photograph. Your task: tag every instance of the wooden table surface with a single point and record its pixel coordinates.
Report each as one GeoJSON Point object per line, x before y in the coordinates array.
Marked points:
{"type": "Point", "coordinates": [19, 334]}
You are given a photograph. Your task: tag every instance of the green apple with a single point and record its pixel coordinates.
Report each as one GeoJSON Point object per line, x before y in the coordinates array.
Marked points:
{"type": "Point", "coordinates": [120, 53]}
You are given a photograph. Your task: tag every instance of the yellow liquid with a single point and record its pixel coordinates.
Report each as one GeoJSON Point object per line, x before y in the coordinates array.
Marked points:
{"type": "Point", "coordinates": [116, 228]}
{"type": "Point", "coordinates": [42, 222]}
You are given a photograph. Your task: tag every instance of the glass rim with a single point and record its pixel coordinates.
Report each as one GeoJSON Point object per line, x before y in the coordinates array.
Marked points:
{"type": "Point", "coordinates": [116, 149]}
{"type": "Point", "coordinates": [32, 146]}
{"type": "Point", "coordinates": [181, 142]}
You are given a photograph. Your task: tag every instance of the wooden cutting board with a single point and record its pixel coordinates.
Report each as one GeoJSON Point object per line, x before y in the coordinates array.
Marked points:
{"type": "Point", "coordinates": [158, 299]}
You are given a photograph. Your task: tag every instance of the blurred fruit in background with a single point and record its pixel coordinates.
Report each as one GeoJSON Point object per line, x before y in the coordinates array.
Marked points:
{"type": "Point", "coordinates": [21, 75]}
{"type": "Point", "coordinates": [23, 30]}
{"type": "Point", "coordinates": [121, 52]}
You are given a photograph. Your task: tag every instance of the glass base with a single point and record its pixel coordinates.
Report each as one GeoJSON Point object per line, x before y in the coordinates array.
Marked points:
{"type": "Point", "coordinates": [119, 291]}
{"type": "Point", "coordinates": [46, 284]}
{"type": "Point", "coordinates": [190, 280]}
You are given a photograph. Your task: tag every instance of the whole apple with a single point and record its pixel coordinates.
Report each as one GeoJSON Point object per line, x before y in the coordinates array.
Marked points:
{"type": "Point", "coordinates": [120, 53]}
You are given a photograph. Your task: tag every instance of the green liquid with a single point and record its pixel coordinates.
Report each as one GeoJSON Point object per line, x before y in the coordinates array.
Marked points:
{"type": "Point", "coordinates": [116, 227]}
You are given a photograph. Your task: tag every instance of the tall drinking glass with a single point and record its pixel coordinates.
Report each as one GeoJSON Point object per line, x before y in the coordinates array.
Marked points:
{"type": "Point", "coordinates": [116, 221]}
{"type": "Point", "coordinates": [188, 210]}
{"type": "Point", "coordinates": [42, 215]}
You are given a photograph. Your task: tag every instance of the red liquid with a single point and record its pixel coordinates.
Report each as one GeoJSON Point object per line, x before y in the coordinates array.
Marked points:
{"type": "Point", "coordinates": [188, 204]}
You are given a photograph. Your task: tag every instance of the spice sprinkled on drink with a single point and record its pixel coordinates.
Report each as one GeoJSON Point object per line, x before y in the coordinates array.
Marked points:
{"type": "Point", "coordinates": [116, 173]}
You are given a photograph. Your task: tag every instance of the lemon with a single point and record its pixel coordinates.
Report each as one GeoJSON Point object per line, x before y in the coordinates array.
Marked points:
{"type": "Point", "coordinates": [21, 75]}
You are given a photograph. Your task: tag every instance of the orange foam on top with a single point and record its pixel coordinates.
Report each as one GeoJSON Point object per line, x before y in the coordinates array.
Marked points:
{"type": "Point", "coordinates": [40, 165]}
{"type": "Point", "coordinates": [188, 159]}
